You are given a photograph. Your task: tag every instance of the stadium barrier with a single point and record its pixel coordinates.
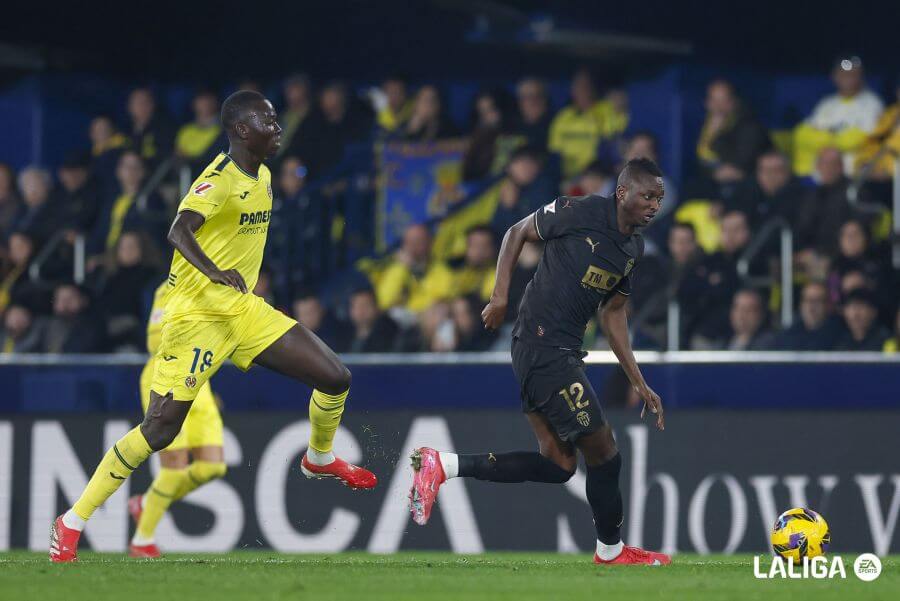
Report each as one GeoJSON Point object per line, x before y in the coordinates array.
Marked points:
{"type": "Point", "coordinates": [714, 481]}
{"type": "Point", "coordinates": [418, 382]}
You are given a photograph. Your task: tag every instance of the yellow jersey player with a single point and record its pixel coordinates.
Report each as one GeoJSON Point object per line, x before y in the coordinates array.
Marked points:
{"type": "Point", "coordinates": [194, 458]}
{"type": "Point", "coordinates": [219, 235]}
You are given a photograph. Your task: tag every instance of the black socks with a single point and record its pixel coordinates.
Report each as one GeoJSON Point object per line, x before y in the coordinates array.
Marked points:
{"type": "Point", "coordinates": [513, 467]}
{"type": "Point", "coordinates": [605, 497]}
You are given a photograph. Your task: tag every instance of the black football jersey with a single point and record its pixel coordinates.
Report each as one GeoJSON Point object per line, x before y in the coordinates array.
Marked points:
{"type": "Point", "coordinates": [586, 258]}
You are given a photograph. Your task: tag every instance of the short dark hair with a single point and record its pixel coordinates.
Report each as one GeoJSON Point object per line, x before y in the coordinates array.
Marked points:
{"type": "Point", "coordinates": [598, 167]}
{"type": "Point", "coordinates": [685, 226]}
{"type": "Point", "coordinates": [861, 295]}
{"type": "Point", "coordinates": [235, 106]}
{"type": "Point", "coordinates": [638, 167]}
{"type": "Point", "coordinates": [481, 229]}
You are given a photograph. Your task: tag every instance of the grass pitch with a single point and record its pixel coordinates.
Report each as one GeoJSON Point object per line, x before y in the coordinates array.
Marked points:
{"type": "Point", "coordinates": [259, 575]}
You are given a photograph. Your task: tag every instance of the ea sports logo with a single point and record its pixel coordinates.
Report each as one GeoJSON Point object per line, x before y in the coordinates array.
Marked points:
{"type": "Point", "coordinates": [867, 567]}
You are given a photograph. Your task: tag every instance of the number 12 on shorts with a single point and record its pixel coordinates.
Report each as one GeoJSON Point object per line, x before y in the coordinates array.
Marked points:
{"type": "Point", "coordinates": [207, 360]}
{"type": "Point", "coordinates": [575, 390]}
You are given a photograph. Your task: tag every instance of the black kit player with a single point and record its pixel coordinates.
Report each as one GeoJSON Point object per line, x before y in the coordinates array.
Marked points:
{"type": "Point", "coordinates": [591, 251]}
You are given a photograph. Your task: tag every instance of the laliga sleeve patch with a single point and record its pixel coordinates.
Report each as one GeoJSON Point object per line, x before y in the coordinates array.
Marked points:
{"type": "Point", "coordinates": [550, 208]}
{"type": "Point", "coordinates": [202, 188]}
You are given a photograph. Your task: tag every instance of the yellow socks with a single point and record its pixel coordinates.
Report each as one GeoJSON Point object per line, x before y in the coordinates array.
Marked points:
{"type": "Point", "coordinates": [165, 489]}
{"type": "Point", "coordinates": [325, 412]}
{"type": "Point", "coordinates": [169, 486]}
{"type": "Point", "coordinates": [127, 454]}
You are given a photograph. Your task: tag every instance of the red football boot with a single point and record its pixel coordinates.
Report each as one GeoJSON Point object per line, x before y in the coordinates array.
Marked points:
{"type": "Point", "coordinates": [350, 475]}
{"type": "Point", "coordinates": [427, 479]}
{"type": "Point", "coordinates": [635, 556]}
{"type": "Point", "coordinates": [136, 507]}
{"type": "Point", "coordinates": [150, 551]}
{"type": "Point", "coordinates": [63, 542]}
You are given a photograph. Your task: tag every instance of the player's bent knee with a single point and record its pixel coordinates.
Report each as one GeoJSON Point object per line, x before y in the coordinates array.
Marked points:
{"type": "Point", "coordinates": [159, 435]}
{"type": "Point", "coordinates": [337, 381]}
{"type": "Point", "coordinates": [205, 471]}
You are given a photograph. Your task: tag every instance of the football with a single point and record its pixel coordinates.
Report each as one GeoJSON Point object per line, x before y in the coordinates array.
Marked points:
{"type": "Point", "coordinates": [799, 533]}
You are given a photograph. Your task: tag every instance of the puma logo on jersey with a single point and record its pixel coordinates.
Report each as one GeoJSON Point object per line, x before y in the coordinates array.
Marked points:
{"type": "Point", "coordinates": [592, 243]}
{"type": "Point", "coordinates": [203, 188]}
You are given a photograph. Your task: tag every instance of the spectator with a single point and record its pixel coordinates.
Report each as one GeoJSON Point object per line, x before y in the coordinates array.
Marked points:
{"type": "Point", "coordinates": [490, 144]}
{"type": "Point", "coordinates": [658, 282]}
{"type": "Point", "coordinates": [817, 329]}
{"type": "Point", "coordinates": [152, 135]}
{"type": "Point", "coordinates": [107, 144]}
{"type": "Point", "coordinates": [892, 345]}
{"type": "Point", "coordinates": [578, 129]}
{"type": "Point", "coordinates": [469, 333]}
{"type": "Point", "coordinates": [708, 289]}
{"type": "Point", "coordinates": [122, 211]}
{"type": "Point", "coordinates": [824, 208]}
{"type": "Point", "coordinates": [863, 333]}
{"type": "Point", "coordinates": [475, 275]}
{"type": "Point", "coordinates": [773, 191]}
{"type": "Point", "coordinates": [10, 203]}
{"type": "Point", "coordinates": [731, 140]}
{"type": "Point", "coordinates": [21, 333]}
{"type": "Point", "coordinates": [413, 281]}
{"type": "Point", "coordinates": [880, 149]}
{"type": "Point", "coordinates": [842, 120]}
{"type": "Point", "coordinates": [299, 233]}
{"type": "Point", "coordinates": [198, 139]}
{"type": "Point", "coordinates": [523, 191]}
{"type": "Point", "coordinates": [14, 271]}
{"type": "Point", "coordinates": [534, 116]}
{"type": "Point", "coordinates": [373, 330]}
{"type": "Point", "coordinates": [39, 219]}
{"type": "Point", "coordinates": [596, 179]}
{"type": "Point", "coordinates": [323, 136]}
{"type": "Point", "coordinates": [854, 252]}
{"type": "Point", "coordinates": [123, 291]}
{"type": "Point", "coordinates": [298, 106]}
{"type": "Point", "coordinates": [309, 311]}
{"type": "Point", "coordinates": [748, 321]}
{"type": "Point", "coordinates": [78, 197]}
{"type": "Point", "coordinates": [72, 328]}
{"type": "Point", "coordinates": [428, 121]}
{"type": "Point", "coordinates": [392, 104]}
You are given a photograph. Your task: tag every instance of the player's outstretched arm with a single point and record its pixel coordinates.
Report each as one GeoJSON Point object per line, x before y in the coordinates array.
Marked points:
{"type": "Point", "coordinates": [181, 236]}
{"type": "Point", "coordinates": [614, 322]}
{"type": "Point", "coordinates": [516, 236]}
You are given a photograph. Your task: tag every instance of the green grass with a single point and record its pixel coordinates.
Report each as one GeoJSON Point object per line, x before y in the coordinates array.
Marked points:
{"type": "Point", "coordinates": [260, 575]}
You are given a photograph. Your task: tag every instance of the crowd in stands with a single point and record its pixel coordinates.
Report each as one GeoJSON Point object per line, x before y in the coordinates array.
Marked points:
{"type": "Point", "coordinates": [829, 179]}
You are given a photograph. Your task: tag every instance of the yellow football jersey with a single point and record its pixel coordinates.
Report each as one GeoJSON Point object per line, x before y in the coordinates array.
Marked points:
{"type": "Point", "coordinates": [237, 208]}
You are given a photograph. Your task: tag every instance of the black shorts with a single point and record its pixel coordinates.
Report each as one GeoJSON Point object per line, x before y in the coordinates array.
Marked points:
{"type": "Point", "coordinates": [552, 382]}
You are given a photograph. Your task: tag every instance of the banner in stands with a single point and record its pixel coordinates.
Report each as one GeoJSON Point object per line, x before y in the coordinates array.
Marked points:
{"type": "Point", "coordinates": [421, 181]}
{"type": "Point", "coordinates": [713, 482]}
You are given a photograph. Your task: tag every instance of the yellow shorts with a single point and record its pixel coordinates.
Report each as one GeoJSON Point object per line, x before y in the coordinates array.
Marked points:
{"type": "Point", "coordinates": [192, 350]}
{"type": "Point", "coordinates": [203, 425]}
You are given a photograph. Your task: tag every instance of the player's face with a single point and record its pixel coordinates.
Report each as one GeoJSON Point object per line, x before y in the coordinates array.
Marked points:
{"type": "Point", "coordinates": [263, 131]}
{"type": "Point", "coordinates": [643, 199]}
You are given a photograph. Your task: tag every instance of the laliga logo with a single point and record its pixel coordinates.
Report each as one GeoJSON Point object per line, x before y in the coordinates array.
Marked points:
{"type": "Point", "coordinates": [867, 568]}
